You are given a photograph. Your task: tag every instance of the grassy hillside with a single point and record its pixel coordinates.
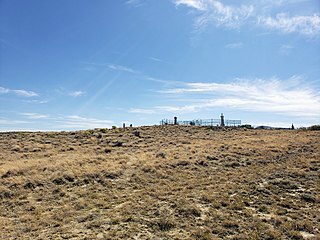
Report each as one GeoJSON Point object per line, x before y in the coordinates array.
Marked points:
{"type": "Point", "coordinates": [161, 182]}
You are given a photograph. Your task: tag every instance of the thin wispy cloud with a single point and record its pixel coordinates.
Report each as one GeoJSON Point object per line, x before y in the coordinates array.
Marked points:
{"type": "Point", "coordinates": [79, 122]}
{"type": "Point", "coordinates": [65, 92]}
{"type": "Point", "coordinates": [132, 1]}
{"type": "Point", "coordinates": [93, 63]}
{"type": "Point", "coordinates": [163, 81]}
{"type": "Point", "coordinates": [306, 25]}
{"type": "Point", "coordinates": [77, 94]}
{"type": "Point", "coordinates": [285, 49]}
{"type": "Point", "coordinates": [199, 5]}
{"type": "Point", "coordinates": [178, 109]}
{"type": "Point", "coordinates": [24, 93]}
{"type": "Point", "coordinates": [256, 13]}
{"type": "Point", "coordinates": [135, 3]}
{"type": "Point", "coordinates": [142, 111]}
{"type": "Point", "coordinates": [91, 66]}
{"type": "Point", "coordinates": [52, 122]}
{"type": "Point", "coordinates": [287, 97]}
{"type": "Point", "coordinates": [217, 13]}
{"type": "Point", "coordinates": [270, 4]}
{"type": "Point", "coordinates": [155, 59]}
{"type": "Point", "coordinates": [234, 45]}
{"type": "Point", "coordinates": [122, 68]}
{"type": "Point", "coordinates": [166, 108]}
{"type": "Point", "coordinates": [36, 101]}
{"type": "Point", "coordinates": [34, 115]}
{"type": "Point", "coordinates": [4, 90]}
{"type": "Point", "coordinates": [19, 92]}
{"type": "Point", "coordinates": [5, 121]}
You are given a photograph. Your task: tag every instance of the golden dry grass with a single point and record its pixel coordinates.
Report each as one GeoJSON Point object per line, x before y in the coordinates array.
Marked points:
{"type": "Point", "coordinates": [161, 182]}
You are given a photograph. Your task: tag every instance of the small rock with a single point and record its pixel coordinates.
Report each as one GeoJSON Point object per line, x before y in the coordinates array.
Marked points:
{"type": "Point", "coordinates": [100, 236]}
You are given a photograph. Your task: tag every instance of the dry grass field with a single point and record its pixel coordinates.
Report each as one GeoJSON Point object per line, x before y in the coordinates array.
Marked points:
{"type": "Point", "coordinates": [160, 182]}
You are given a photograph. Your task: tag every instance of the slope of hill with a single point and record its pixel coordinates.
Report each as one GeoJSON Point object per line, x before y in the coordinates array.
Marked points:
{"type": "Point", "coordinates": [161, 182]}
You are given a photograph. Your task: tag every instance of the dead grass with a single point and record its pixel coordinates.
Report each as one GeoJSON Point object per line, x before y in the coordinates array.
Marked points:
{"type": "Point", "coordinates": [168, 182]}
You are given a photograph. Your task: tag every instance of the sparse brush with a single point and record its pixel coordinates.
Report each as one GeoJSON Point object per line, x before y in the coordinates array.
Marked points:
{"type": "Point", "coordinates": [165, 182]}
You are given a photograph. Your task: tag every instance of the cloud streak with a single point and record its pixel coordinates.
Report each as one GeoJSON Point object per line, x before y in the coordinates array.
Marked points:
{"type": "Point", "coordinates": [218, 13]}
{"type": "Point", "coordinates": [121, 68]}
{"type": "Point", "coordinates": [142, 111]}
{"type": "Point", "coordinates": [44, 122]}
{"type": "Point", "coordinates": [234, 45]}
{"type": "Point", "coordinates": [135, 3]}
{"type": "Point", "coordinates": [286, 97]}
{"type": "Point", "coordinates": [199, 5]}
{"type": "Point", "coordinates": [35, 115]}
{"type": "Point", "coordinates": [79, 122]}
{"type": "Point", "coordinates": [234, 16]}
{"type": "Point", "coordinates": [155, 59]}
{"type": "Point", "coordinates": [19, 92]}
{"type": "Point", "coordinates": [306, 25]}
{"type": "Point", "coordinates": [77, 94]}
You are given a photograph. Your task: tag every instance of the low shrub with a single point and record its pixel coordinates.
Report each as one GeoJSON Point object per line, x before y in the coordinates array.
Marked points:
{"type": "Point", "coordinates": [314, 128]}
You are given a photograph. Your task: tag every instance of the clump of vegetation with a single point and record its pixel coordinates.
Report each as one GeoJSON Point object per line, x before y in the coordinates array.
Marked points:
{"type": "Point", "coordinates": [161, 155]}
{"type": "Point", "coordinates": [164, 224]}
{"type": "Point", "coordinates": [314, 128]}
{"type": "Point", "coordinates": [103, 130]}
{"type": "Point", "coordinates": [136, 133]}
{"type": "Point", "coordinates": [247, 126]}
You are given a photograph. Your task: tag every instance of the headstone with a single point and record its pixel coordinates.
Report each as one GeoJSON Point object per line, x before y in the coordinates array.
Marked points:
{"type": "Point", "coordinates": [222, 120]}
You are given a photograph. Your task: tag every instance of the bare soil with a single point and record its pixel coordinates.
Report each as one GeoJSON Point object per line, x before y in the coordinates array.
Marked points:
{"type": "Point", "coordinates": [160, 182]}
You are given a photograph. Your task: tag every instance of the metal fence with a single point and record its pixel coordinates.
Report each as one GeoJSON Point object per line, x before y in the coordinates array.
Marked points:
{"type": "Point", "coordinates": [203, 122]}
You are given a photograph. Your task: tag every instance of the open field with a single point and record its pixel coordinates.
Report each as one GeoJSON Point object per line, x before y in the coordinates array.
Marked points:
{"type": "Point", "coordinates": [161, 182]}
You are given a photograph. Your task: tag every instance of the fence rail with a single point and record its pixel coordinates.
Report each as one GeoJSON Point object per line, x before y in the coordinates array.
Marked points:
{"type": "Point", "coordinates": [202, 122]}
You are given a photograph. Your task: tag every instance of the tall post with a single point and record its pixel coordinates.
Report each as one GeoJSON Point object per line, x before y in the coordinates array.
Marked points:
{"type": "Point", "coordinates": [222, 120]}
{"type": "Point", "coordinates": [175, 122]}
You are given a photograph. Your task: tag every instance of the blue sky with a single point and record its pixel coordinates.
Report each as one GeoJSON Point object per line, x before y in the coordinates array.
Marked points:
{"type": "Point", "coordinates": [81, 64]}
